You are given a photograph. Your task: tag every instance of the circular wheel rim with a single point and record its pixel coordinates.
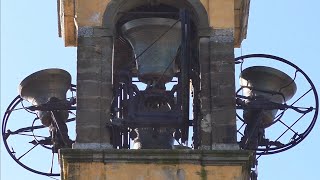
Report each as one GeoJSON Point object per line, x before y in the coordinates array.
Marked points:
{"type": "Point", "coordinates": [273, 150]}
{"type": "Point", "coordinates": [17, 100]}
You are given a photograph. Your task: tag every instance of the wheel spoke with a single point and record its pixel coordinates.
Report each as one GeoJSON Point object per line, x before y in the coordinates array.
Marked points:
{"type": "Point", "coordinates": [26, 129]}
{"type": "Point", "coordinates": [27, 151]}
{"type": "Point", "coordinates": [302, 96]}
{"type": "Point", "coordinates": [31, 135]}
{"type": "Point", "coordinates": [14, 109]}
{"type": "Point", "coordinates": [290, 127]}
{"type": "Point", "coordinates": [52, 158]}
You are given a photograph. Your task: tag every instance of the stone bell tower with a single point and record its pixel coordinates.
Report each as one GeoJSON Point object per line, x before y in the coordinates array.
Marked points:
{"type": "Point", "coordinates": [95, 27]}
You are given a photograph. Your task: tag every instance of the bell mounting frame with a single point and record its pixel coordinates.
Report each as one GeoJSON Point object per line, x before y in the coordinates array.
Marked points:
{"type": "Point", "coordinates": [284, 132]}
{"type": "Point", "coordinates": [37, 139]}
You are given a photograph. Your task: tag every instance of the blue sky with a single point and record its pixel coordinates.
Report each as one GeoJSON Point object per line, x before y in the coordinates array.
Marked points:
{"type": "Point", "coordinates": [286, 28]}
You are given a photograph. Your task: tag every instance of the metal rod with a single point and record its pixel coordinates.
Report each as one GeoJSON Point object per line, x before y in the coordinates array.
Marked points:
{"type": "Point", "coordinates": [52, 158]}
{"type": "Point", "coordinates": [27, 152]}
{"type": "Point", "coordinates": [61, 127]}
{"type": "Point", "coordinates": [290, 127]}
{"type": "Point", "coordinates": [31, 135]}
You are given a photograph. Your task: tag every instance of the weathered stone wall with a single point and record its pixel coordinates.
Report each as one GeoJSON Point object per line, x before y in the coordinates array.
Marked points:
{"type": "Point", "coordinates": [94, 87]}
{"type": "Point", "coordinates": [154, 165]}
{"type": "Point", "coordinates": [216, 54]}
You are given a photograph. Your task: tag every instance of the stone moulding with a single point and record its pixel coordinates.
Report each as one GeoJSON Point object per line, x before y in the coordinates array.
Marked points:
{"type": "Point", "coordinates": [155, 164]}
{"type": "Point", "coordinates": [204, 157]}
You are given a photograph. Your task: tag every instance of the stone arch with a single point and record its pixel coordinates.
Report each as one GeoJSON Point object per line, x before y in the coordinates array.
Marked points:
{"type": "Point", "coordinates": [110, 16]}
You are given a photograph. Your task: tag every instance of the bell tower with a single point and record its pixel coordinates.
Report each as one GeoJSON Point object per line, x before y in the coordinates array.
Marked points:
{"type": "Point", "coordinates": [159, 95]}
{"type": "Point", "coordinates": [155, 89]}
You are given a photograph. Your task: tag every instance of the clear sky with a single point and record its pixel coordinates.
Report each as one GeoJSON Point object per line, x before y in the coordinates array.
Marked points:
{"type": "Point", "coordinates": [286, 28]}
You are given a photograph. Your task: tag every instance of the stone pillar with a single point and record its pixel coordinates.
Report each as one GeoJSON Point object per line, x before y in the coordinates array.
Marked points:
{"type": "Point", "coordinates": [223, 112]}
{"type": "Point", "coordinates": [94, 88]}
{"type": "Point", "coordinates": [205, 93]}
{"type": "Point", "coordinates": [218, 124]}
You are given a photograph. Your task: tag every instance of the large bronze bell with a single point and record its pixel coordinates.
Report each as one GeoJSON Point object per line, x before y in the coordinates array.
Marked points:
{"type": "Point", "coordinates": [268, 83]}
{"type": "Point", "coordinates": [39, 87]}
{"type": "Point", "coordinates": [155, 43]}
{"type": "Point", "coordinates": [157, 62]}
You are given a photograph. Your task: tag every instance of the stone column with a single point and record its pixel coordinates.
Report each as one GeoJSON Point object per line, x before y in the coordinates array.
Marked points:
{"type": "Point", "coordinates": [205, 93]}
{"type": "Point", "coordinates": [94, 88]}
{"type": "Point", "coordinates": [224, 129]}
{"type": "Point", "coordinates": [218, 124]}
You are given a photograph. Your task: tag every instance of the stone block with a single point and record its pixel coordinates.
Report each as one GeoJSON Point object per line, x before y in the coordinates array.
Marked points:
{"type": "Point", "coordinates": [205, 89]}
{"type": "Point", "coordinates": [89, 53]}
{"type": "Point", "coordinates": [106, 90]}
{"type": "Point", "coordinates": [206, 122]}
{"type": "Point", "coordinates": [204, 52]}
{"type": "Point", "coordinates": [224, 116]}
{"type": "Point", "coordinates": [85, 31]}
{"type": "Point", "coordinates": [92, 41]}
{"type": "Point", "coordinates": [205, 104]}
{"type": "Point", "coordinates": [221, 47]}
{"type": "Point", "coordinates": [92, 134]}
{"type": "Point", "coordinates": [105, 104]}
{"type": "Point", "coordinates": [88, 102]}
{"type": "Point", "coordinates": [107, 44]}
{"type": "Point", "coordinates": [222, 66]}
{"type": "Point", "coordinates": [73, 172]}
{"type": "Point", "coordinates": [205, 139]}
{"type": "Point", "coordinates": [106, 72]}
{"type": "Point", "coordinates": [88, 117]}
{"type": "Point", "coordinates": [222, 35]}
{"type": "Point", "coordinates": [88, 88]}
{"type": "Point", "coordinates": [224, 146]}
{"type": "Point", "coordinates": [222, 78]}
{"type": "Point", "coordinates": [224, 133]}
{"type": "Point", "coordinates": [89, 65]}
{"type": "Point", "coordinates": [92, 146]}
{"type": "Point", "coordinates": [227, 90]}
{"type": "Point", "coordinates": [222, 57]}
{"type": "Point", "coordinates": [205, 77]}
{"type": "Point", "coordinates": [215, 89]}
{"type": "Point", "coordinates": [89, 76]}
{"type": "Point", "coordinates": [223, 102]}
{"type": "Point", "coordinates": [102, 32]}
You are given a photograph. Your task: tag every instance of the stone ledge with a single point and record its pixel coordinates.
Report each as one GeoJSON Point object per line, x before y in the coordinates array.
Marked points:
{"type": "Point", "coordinates": [157, 164]}
{"type": "Point", "coordinates": [222, 146]}
{"type": "Point", "coordinates": [89, 146]}
{"type": "Point", "coordinates": [159, 156]}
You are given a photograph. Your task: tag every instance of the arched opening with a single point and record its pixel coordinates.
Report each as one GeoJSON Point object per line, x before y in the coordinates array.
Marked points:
{"type": "Point", "coordinates": [123, 52]}
{"type": "Point", "coordinates": [166, 34]}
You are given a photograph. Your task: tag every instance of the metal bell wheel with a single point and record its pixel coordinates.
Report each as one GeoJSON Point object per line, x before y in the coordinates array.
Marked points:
{"type": "Point", "coordinates": [277, 104]}
{"type": "Point", "coordinates": [45, 97]}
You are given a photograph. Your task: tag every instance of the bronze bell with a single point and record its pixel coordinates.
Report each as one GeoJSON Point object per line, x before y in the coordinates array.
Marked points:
{"type": "Point", "coordinates": [156, 63]}
{"type": "Point", "coordinates": [268, 83]}
{"type": "Point", "coordinates": [40, 86]}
